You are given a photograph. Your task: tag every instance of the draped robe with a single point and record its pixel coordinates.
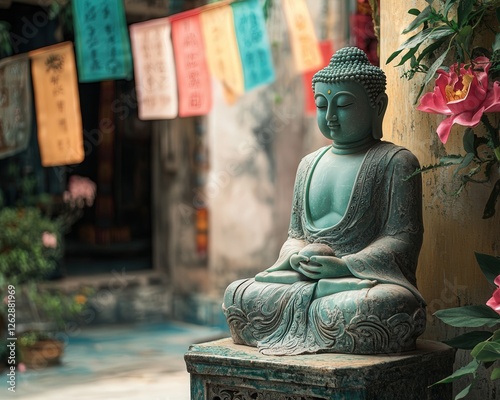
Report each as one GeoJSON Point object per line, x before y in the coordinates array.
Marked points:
{"type": "Point", "coordinates": [379, 238]}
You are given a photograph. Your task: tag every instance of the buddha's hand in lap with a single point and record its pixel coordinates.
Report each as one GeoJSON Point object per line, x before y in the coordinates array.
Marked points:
{"type": "Point", "coordinates": [283, 276]}
{"type": "Point", "coordinates": [319, 267]}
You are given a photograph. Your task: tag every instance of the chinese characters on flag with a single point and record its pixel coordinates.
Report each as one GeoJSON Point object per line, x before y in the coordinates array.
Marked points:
{"type": "Point", "coordinates": [59, 123]}
{"type": "Point", "coordinates": [253, 43]}
{"type": "Point", "coordinates": [155, 78]}
{"type": "Point", "coordinates": [101, 40]}
{"type": "Point", "coordinates": [222, 50]}
{"type": "Point", "coordinates": [305, 47]}
{"type": "Point", "coordinates": [15, 105]}
{"type": "Point", "coordinates": [193, 76]}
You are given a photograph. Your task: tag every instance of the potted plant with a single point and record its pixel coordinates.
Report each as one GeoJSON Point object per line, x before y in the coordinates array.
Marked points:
{"type": "Point", "coordinates": [31, 247]}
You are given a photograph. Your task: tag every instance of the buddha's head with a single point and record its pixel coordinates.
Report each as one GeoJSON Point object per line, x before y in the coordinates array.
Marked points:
{"type": "Point", "coordinates": [350, 98]}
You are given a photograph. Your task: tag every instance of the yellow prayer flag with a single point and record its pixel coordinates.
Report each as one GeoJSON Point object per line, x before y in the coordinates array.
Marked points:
{"type": "Point", "coordinates": [221, 49]}
{"type": "Point", "coordinates": [59, 122]}
{"type": "Point", "coordinates": [305, 46]}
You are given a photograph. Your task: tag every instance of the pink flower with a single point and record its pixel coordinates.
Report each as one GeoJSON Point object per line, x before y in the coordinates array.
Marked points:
{"type": "Point", "coordinates": [49, 240]}
{"type": "Point", "coordinates": [21, 367]}
{"type": "Point", "coordinates": [81, 191]}
{"type": "Point", "coordinates": [494, 302]}
{"type": "Point", "coordinates": [463, 94]}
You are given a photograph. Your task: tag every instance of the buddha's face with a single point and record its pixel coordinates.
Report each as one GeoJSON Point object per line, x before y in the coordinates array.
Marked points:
{"type": "Point", "coordinates": [344, 113]}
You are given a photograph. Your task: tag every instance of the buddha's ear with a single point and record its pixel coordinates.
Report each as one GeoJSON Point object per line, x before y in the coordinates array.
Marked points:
{"type": "Point", "coordinates": [381, 104]}
{"type": "Point", "coordinates": [380, 107]}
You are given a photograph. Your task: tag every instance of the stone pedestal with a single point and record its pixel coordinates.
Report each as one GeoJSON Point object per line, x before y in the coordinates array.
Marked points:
{"type": "Point", "coordinates": [222, 370]}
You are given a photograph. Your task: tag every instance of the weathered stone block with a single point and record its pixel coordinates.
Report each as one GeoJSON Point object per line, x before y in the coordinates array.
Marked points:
{"type": "Point", "coordinates": [222, 370]}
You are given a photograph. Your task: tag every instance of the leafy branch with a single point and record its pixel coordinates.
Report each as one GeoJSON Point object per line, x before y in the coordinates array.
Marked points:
{"type": "Point", "coordinates": [442, 31]}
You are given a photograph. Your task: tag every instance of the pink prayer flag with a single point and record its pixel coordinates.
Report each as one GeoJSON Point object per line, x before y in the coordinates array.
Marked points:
{"type": "Point", "coordinates": [193, 76]}
{"type": "Point", "coordinates": [326, 48]}
{"type": "Point", "coordinates": [154, 69]}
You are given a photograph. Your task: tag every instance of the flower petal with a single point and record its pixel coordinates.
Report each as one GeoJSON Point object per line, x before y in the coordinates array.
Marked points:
{"type": "Point", "coordinates": [434, 102]}
{"type": "Point", "coordinates": [497, 281]}
{"type": "Point", "coordinates": [444, 128]}
{"type": "Point", "coordinates": [492, 101]}
{"type": "Point", "coordinates": [469, 118]}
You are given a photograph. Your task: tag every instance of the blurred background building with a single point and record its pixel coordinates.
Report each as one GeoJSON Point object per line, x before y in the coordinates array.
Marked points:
{"type": "Point", "coordinates": [187, 205]}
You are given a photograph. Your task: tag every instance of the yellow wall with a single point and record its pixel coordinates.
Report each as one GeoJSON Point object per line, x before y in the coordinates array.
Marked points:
{"type": "Point", "coordinates": [448, 274]}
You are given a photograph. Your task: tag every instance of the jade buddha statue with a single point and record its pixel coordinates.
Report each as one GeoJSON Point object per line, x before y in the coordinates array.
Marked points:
{"type": "Point", "coordinates": [344, 280]}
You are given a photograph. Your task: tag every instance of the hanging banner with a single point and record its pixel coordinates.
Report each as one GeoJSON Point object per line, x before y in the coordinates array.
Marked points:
{"type": "Point", "coordinates": [222, 50]}
{"type": "Point", "coordinates": [193, 77]}
{"type": "Point", "coordinates": [15, 105]}
{"type": "Point", "coordinates": [326, 48]}
{"type": "Point", "coordinates": [253, 43]}
{"type": "Point", "coordinates": [305, 47]}
{"type": "Point", "coordinates": [155, 79]}
{"type": "Point", "coordinates": [101, 40]}
{"type": "Point", "coordinates": [57, 102]}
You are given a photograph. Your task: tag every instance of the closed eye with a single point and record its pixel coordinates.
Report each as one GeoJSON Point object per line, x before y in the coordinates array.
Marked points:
{"type": "Point", "coordinates": [344, 105]}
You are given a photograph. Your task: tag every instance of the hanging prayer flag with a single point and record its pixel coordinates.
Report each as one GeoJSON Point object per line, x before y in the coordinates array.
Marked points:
{"type": "Point", "coordinates": [222, 49]}
{"type": "Point", "coordinates": [193, 77]}
{"type": "Point", "coordinates": [59, 121]}
{"type": "Point", "coordinates": [326, 48]}
{"type": "Point", "coordinates": [155, 79]}
{"type": "Point", "coordinates": [305, 47]}
{"type": "Point", "coordinates": [101, 40]}
{"type": "Point", "coordinates": [253, 43]}
{"type": "Point", "coordinates": [15, 105]}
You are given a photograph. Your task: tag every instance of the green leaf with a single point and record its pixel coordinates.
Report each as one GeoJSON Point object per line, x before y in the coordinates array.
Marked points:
{"type": "Point", "coordinates": [495, 374]}
{"type": "Point", "coordinates": [465, 162]}
{"type": "Point", "coordinates": [469, 316]}
{"type": "Point", "coordinates": [464, 11]}
{"type": "Point", "coordinates": [447, 7]}
{"type": "Point", "coordinates": [434, 67]}
{"type": "Point", "coordinates": [490, 266]}
{"type": "Point", "coordinates": [470, 368]}
{"type": "Point", "coordinates": [408, 55]}
{"type": "Point", "coordinates": [464, 392]}
{"type": "Point", "coordinates": [393, 56]}
{"type": "Point", "coordinates": [431, 48]}
{"type": "Point", "coordinates": [423, 16]}
{"type": "Point", "coordinates": [464, 37]}
{"type": "Point", "coordinates": [440, 32]}
{"type": "Point", "coordinates": [468, 140]}
{"type": "Point", "coordinates": [451, 159]}
{"type": "Point", "coordinates": [468, 340]}
{"type": "Point", "coordinates": [496, 43]}
{"type": "Point", "coordinates": [486, 351]}
{"type": "Point", "coordinates": [489, 208]}
{"type": "Point", "coordinates": [414, 11]}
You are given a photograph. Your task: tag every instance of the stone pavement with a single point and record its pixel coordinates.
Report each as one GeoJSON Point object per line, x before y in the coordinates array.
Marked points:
{"type": "Point", "coordinates": [144, 362]}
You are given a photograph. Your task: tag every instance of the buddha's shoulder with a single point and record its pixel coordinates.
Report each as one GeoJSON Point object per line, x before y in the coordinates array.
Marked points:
{"type": "Point", "coordinates": [309, 158]}
{"type": "Point", "coordinates": [395, 154]}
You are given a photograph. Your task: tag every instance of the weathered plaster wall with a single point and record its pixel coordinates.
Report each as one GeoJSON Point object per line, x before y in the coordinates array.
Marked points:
{"type": "Point", "coordinates": [255, 147]}
{"type": "Point", "coordinates": [448, 275]}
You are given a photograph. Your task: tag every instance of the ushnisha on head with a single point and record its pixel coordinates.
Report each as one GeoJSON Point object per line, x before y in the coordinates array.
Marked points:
{"type": "Point", "coordinates": [351, 64]}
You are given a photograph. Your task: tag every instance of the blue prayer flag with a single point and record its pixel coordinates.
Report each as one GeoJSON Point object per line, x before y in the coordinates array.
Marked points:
{"type": "Point", "coordinates": [101, 40]}
{"type": "Point", "coordinates": [253, 43]}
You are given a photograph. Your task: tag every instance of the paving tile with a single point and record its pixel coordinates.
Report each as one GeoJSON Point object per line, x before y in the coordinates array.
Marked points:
{"type": "Point", "coordinates": [118, 362]}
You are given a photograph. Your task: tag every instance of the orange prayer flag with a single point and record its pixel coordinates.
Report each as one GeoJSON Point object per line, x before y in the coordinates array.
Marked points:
{"type": "Point", "coordinates": [305, 47]}
{"type": "Point", "coordinates": [193, 77]}
{"type": "Point", "coordinates": [221, 49]}
{"type": "Point", "coordinates": [59, 121]}
{"type": "Point", "coordinates": [326, 47]}
{"type": "Point", "coordinates": [154, 66]}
